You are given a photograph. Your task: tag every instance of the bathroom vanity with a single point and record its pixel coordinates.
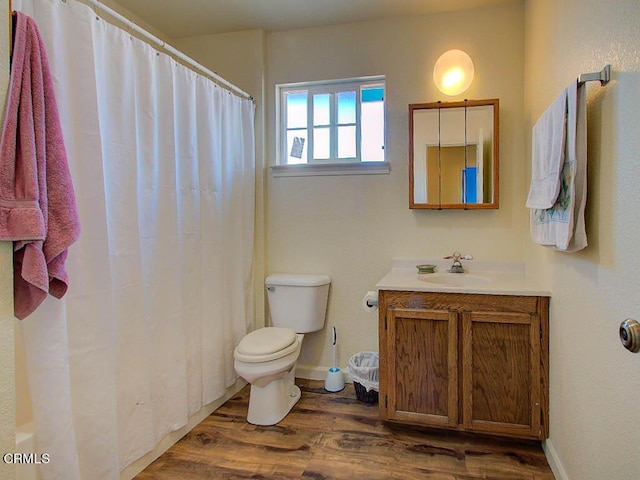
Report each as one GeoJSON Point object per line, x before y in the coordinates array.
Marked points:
{"type": "Point", "coordinates": [467, 352]}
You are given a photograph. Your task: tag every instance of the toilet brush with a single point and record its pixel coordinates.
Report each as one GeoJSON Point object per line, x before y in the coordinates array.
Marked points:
{"type": "Point", "coordinates": [334, 382]}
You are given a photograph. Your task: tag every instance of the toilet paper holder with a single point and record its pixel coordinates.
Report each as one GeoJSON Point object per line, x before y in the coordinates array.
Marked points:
{"type": "Point", "coordinates": [630, 335]}
{"type": "Point", "coordinates": [370, 301]}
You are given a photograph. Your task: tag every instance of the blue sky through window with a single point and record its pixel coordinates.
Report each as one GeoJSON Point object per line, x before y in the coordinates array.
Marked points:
{"type": "Point", "coordinates": [297, 110]}
{"type": "Point", "coordinates": [346, 107]}
{"type": "Point", "coordinates": [322, 109]}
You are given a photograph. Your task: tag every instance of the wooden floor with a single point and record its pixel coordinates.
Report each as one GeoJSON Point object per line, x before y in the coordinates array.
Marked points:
{"type": "Point", "coordinates": [335, 436]}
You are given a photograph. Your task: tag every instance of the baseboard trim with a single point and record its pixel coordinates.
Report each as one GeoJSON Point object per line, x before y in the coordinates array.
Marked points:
{"type": "Point", "coordinates": [554, 460]}
{"type": "Point", "coordinates": [311, 372]}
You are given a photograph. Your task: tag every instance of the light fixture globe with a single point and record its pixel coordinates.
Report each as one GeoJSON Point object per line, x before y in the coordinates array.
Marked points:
{"type": "Point", "coordinates": [453, 72]}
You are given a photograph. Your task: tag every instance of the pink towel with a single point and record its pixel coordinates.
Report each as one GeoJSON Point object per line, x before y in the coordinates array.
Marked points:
{"type": "Point", "coordinates": [37, 203]}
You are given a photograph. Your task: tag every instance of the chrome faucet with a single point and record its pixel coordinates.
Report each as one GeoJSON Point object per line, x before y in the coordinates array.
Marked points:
{"type": "Point", "coordinates": [456, 266]}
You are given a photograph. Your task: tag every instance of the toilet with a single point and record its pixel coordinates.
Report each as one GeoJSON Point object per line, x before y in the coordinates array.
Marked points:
{"type": "Point", "coordinates": [266, 358]}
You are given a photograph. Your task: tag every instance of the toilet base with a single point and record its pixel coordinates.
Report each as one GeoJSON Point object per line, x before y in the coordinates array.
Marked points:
{"type": "Point", "coordinates": [271, 403]}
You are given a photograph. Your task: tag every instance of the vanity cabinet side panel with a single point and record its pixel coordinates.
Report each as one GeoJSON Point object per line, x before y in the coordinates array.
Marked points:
{"type": "Point", "coordinates": [383, 356]}
{"type": "Point", "coordinates": [543, 316]}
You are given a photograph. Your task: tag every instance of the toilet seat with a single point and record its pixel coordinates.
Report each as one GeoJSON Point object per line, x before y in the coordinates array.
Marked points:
{"type": "Point", "coordinates": [266, 344]}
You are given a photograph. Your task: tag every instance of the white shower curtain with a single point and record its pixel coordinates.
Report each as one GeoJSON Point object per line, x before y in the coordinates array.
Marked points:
{"type": "Point", "coordinates": [163, 163]}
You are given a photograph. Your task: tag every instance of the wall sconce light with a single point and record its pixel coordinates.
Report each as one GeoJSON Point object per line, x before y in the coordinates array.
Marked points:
{"type": "Point", "coordinates": [453, 72]}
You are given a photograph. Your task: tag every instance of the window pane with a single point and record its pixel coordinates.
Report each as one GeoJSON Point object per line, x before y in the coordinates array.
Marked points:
{"type": "Point", "coordinates": [321, 143]}
{"type": "Point", "coordinates": [346, 107]}
{"type": "Point", "coordinates": [322, 109]}
{"type": "Point", "coordinates": [296, 146]}
{"type": "Point", "coordinates": [297, 110]}
{"type": "Point", "coordinates": [375, 94]}
{"type": "Point", "coordinates": [372, 130]}
{"type": "Point", "coordinates": [346, 142]}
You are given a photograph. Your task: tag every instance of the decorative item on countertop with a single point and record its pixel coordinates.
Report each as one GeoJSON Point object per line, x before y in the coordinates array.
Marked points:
{"type": "Point", "coordinates": [334, 381]}
{"type": "Point", "coordinates": [426, 269]}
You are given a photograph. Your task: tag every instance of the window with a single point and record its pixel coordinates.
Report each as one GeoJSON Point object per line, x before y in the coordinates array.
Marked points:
{"type": "Point", "coordinates": [332, 124]}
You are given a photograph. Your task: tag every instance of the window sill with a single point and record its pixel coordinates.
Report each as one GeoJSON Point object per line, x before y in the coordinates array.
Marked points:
{"type": "Point", "coordinates": [308, 170]}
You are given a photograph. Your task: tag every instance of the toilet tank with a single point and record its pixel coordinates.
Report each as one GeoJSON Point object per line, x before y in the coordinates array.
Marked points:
{"type": "Point", "coordinates": [298, 301]}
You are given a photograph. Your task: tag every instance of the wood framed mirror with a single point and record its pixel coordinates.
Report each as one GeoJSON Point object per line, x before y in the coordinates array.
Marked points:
{"type": "Point", "coordinates": [453, 155]}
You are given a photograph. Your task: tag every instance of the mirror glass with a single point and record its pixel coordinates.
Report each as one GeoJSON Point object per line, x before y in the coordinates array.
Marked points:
{"type": "Point", "coordinates": [453, 153]}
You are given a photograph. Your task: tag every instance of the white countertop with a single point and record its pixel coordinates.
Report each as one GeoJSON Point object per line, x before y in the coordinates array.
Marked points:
{"type": "Point", "coordinates": [489, 278]}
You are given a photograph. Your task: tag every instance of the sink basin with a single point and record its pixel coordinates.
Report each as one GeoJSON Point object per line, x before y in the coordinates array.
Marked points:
{"type": "Point", "coordinates": [456, 279]}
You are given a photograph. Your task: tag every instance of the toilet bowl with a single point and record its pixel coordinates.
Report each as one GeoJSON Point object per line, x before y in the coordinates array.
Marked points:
{"type": "Point", "coordinates": [266, 358]}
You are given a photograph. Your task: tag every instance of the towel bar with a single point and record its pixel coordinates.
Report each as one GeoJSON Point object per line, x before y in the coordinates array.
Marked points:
{"type": "Point", "coordinates": [603, 75]}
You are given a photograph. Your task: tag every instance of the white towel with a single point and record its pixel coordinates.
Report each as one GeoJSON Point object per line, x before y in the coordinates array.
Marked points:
{"type": "Point", "coordinates": [579, 239]}
{"type": "Point", "coordinates": [549, 139]}
{"type": "Point", "coordinates": [562, 227]}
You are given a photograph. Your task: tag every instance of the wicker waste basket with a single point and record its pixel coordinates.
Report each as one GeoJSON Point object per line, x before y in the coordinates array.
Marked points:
{"type": "Point", "coordinates": [363, 370]}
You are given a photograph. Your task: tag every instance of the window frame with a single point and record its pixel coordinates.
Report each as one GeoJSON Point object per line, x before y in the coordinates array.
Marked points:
{"type": "Point", "coordinates": [333, 165]}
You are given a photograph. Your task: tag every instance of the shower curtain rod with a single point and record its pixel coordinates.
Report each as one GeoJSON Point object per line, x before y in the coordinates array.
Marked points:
{"type": "Point", "coordinates": [100, 7]}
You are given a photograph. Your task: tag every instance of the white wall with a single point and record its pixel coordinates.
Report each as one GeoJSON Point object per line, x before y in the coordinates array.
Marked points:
{"type": "Point", "coordinates": [350, 227]}
{"type": "Point", "coordinates": [594, 382]}
{"type": "Point", "coordinates": [7, 371]}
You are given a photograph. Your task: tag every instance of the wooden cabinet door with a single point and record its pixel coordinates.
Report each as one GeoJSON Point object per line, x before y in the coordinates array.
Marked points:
{"type": "Point", "coordinates": [501, 390]}
{"type": "Point", "coordinates": [419, 367]}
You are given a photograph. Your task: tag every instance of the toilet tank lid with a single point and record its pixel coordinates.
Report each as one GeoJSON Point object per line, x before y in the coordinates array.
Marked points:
{"type": "Point", "coordinates": [298, 279]}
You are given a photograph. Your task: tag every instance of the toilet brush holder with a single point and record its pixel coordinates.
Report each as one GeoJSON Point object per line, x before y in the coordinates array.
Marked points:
{"type": "Point", "coordinates": [334, 381]}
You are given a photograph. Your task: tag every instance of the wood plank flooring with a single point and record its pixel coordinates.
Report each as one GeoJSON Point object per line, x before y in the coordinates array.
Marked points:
{"type": "Point", "coordinates": [335, 436]}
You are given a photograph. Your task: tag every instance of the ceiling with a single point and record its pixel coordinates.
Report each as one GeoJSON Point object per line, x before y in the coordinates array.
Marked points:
{"type": "Point", "coordinates": [189, 18]}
